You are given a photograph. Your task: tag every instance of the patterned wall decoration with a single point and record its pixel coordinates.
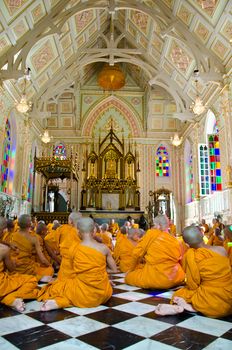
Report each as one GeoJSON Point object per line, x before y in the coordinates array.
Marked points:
{"type": "Point", "coordinates": [141, 20]}
{"type": "Point", "coordinates": [179, 57]}
{"type": "Point", "coordinates": [204, 174]}
{"type": "Point", "coordinates": [162, 162]}
{"type": "Point", "coordinates": [43, 56]}
{"type": "Point", "coordinates": [60, 151]}
{"type": "Point", "coordinates": [20, 28]}
{"type": "Point", "coordinates": [83, 19]}
{"type": "Point", "coordinates": [13, 6]}
{"type": "Point", "coordinates": [215, 164]}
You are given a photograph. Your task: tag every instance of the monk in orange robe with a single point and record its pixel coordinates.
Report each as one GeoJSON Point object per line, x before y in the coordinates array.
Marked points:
{"type": "Point", "coordinates": [113, 228]}
{"type": "Point", "coordinates": [51, 241]}
{"type": "Point", "coordinates": [162, 254]}
{"type": "Point", "coordinates": [228, 241]}
{"type": "Point", "coordinates": [27, 244]}
{"type": "Point", "coordinates": [124, 249]}
{"type": "Point", "coordinates": [90, 285]}
{"type": "Point", "coordinates": [106, 236]}
{"type": "Point", "coordinates": [216, 238]}
{"type": "Point", "coordinates": [14, 288]}
{"type": "Point", "coordinates": [172, 228]}
{"type": "Point", "coordinates": [41, 232]}
{"type": "Point", "coordinates": [208, 280]}
{"type": "Point", "coordinates": [67, 236]}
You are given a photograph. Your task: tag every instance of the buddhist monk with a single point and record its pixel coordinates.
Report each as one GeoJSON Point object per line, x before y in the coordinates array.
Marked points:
{"type": "Point", "coordinates": [208, 279]}
{"type": "Point", "coordinates": [52, 243]}
{"type": "Point", "coordinates": [172, 228]}
{"type": "Point", "coordinates": [106, 236]}
{"type": "Point", "coordinates": [124, 249]}
{"type": "Point", "coordinates": [113, 228]}
{"type": "Point", "coordinates": [67, 237]}
{"type": "Point", "coordinates": [216, 238]}
{"type": "Point", "coordinates": [227, 241]}
{"type": "Point", "coordinates": [206, 226]}
{"type": "Point", "coordinates": [41, 232]}
{"type": "Point", "coordinates": [162, 254]}
{"type": "Point", "coordinates": [89, 285]}
{"type": "Point", "coordinates": [14, 288]}
{"type": "Point", "coordinates": [27, 244]}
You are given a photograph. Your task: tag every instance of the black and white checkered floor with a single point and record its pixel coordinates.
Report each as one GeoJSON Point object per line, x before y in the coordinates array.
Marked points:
{"type": "Point", "coordinates": [126, 321]}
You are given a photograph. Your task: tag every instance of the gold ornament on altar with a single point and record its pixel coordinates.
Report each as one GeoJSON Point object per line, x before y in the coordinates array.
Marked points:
{"type": "Point", "coordinates": [111, 77]}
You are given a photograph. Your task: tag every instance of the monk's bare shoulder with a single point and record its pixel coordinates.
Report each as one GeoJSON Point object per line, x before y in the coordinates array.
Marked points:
{"type": "Point", "coordinates": [219, 250]}
{"type": "Point", "coordinates": [4, 249]}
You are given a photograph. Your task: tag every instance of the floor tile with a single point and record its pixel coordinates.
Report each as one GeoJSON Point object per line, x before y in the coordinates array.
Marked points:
{"type": "Point", "coordinates": [85, 311]}
{"type": "Point", "coordinates": [172, 319]}
{"type": "Point", "coordinates": [126, 287]}
{"type": "Point", "coordinates": [135, 308]}
{"type": "Point", "coordinates": [5, 345]}
{"type": "Point", "coordinates": [133, 296]}
{"type": "Point", "coordinates": [220, 344]}
{"type": "Point", "coordinates": [143, 326]}
{"type": "Point", "coordinates": [111, 338]}
{"type": "Point", "coordinates": [70, 344]}
{"type": "Point", "coordinates": [227, 335]}
{"type": "Point", "coordinates": [6, 311]}
{"type": "Point", "coordinates": [118, 291]}
{"type": "Point", "coordinates": [155, 301]}
{"type": "Point", "coordinates": [184, 338]}
{"type": "Point", "coordinates": [111, 316]}
{"type": "Point", "coordinates": [35, 338]}
{"type": "Point", "coordinates": [119, 280]}
{"type": "Point", "coordinates": [149, 344]}
{"type": "Point", "coordinates": [78, 326]}
{"type": "Point", "coordinates": [32, 306]}
{"type": "Point", "coordinates": [114, 301]}
{"type": "Point", "coordinates": [206, 325]}
{"type": "Point", "coordinates": [119, 274]}
{"type": "Point", "coordinates": [52, 316]}
{"type": "Point", "coordinates": [17, 323]}
{"type": "Point", "coordinates": [167, 294]}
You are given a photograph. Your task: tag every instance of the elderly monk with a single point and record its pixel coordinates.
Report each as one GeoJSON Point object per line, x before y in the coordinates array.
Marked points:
{"type": "Point", "coordinates": [228, 241]}
{"type": "Point", "coordinates": [124, 249]}
{"type": "Point", "coordinates": [41, 232]}
{"type": "Point", "coordinates": [28, 243]}
{"type": "Point", "coordinates": [208, 280]}
{"type": "Point", "coordinates": [106, 236]}
{"type": "Point", "coordinates": [67, 236]}
{"type": "Point", "coordinates": [162, 255]}
{"type": "Point", "coordinates": [52, 244]}
{"type": "Point", "coordinates": [90, 285]}
{"type": "Point", "coordinates": [14, 288]}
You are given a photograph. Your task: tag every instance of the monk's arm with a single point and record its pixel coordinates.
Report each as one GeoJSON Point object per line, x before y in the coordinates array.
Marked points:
{"type": "Point", "coordinates": [140, 250]}
{"type": "Point", "coordinates": [39, 252]}
{"type": "Point", "coordinates": [5, 255]}
{"type": "Point", "coordinates": [111, 265]}
{"type": "Point", "coordinates": [52, 254]}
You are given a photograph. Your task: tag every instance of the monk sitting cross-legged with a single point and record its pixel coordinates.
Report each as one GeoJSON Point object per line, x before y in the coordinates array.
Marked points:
{"type": "Point", "coordinates": [89, 285]}
{"type": "Point", "coordinates": [14, 288]}
{"type": "Point", "coordinates": [124, 248]}
{"type": "Point", "coordinates": [27, 244]}
{"type": "Point", "coordinates": [208, 280]}
{"type": "Point", "coordinates": [162, 255]}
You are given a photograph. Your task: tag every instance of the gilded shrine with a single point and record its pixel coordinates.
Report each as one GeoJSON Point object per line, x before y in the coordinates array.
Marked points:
{"type": "Point", "coordinates": [110, 176]}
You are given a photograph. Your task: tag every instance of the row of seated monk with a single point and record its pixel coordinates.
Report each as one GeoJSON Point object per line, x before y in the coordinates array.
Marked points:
{"type": "Point", "coordinates": [85, 257]}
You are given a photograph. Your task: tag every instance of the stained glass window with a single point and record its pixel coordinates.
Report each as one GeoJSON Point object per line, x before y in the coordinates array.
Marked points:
{"type": "Point", "coordinates": [30, 180]}
{"type": "Point", "coordinates": [204, 175]}
{"type": "Point", "coordinates": [191, 176]}
{"type": "Point", "coordinates": [162, 162]}
{"type": "Point", "coordinates": [6, 157]}
{"type": "Point", "coordinates": [215, 164]}
{"type": "Point", "coordinates": [60, 151]}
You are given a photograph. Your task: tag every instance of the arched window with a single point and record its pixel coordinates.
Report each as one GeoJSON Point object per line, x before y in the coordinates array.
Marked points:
{"type": "Point", "coordinates": [30, 179]}
{"type": "Point", "coordinates": [60, 151]}
{"type": "Point", "coordinates": [191, 177]}
{"type": "Point", "coordinates": [162, 162]}
{"type": "Point", "coordinates": [6, 157]}
{"type": "Point", "coordinates": [209, 158]}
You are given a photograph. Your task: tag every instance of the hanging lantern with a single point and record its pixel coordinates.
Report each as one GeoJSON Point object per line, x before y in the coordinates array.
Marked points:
{"type": "Point", "coordinates": [111, 78]}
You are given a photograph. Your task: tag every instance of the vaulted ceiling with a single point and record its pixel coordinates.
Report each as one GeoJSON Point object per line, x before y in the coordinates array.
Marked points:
{"type": "Point", "coordinates": [157, 42]}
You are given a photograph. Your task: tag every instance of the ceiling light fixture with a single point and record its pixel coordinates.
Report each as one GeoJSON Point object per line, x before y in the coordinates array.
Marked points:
{"type": "Point", "coordinates": [45, 137]}
{"type": "Point", "coordinates": [197, 106]}
{"type": "Point", "coordinates": [23, 106]}
{"type": "Point", "coordinates": [176, 140]}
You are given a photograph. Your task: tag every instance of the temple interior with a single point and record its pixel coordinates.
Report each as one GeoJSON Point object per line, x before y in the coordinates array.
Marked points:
{"type": "Point", "coordinates": [116, 109]}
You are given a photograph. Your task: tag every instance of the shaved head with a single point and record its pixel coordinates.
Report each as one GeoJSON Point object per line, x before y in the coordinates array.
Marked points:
{"type": "Point", "coordinates": [85, 225]}
{"type": "Point", "coordinates": [132, 232]}
{"type": "Point", "coordinates": [192, 236]}
{"type": "Point", "coordinates": [24, 221]}
{"type": "Point", "coordinates": [162, 222]}
{"type": "Point", "coordinates": [41, 228]}
{"type": "Point", "coordinates": [73, 218]}
{"type": "Point", "coordinates": [3, 223]}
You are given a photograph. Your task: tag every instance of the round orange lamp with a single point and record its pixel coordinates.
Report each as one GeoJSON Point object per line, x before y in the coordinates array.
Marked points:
{"type": "Point", "coordinates": [111, 77]}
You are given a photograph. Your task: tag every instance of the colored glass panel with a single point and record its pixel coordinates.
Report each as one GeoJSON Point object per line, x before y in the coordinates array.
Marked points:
{"type": "Point", "coordinates": [162, 162]}
{"type": "Point", "coordinates": [215, 164]}
{"type": "Point", "coordinates": [60, 151]}
{"type": "Point", "coordinates": [204, 169]}
{"type": "Point", "coordinates": [6, 157]}
{"type": "Point", "coordinates": [30, 180]}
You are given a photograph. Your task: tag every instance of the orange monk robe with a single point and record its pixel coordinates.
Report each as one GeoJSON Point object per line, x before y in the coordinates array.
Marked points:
{"type": "Point", "coordinates": [162, 254]}
{"type": "Point", "coordinates": [89, 285]}
{"type": "Point", "coordinates": [208, 282]}
{"type": "Point", "coordinates": [215, 240]}
{"type": "Point", "coordinates": [25, 262]}
{"type": "Point", "coordinates": [228, 249]}
{"type": "Point", "coordinates": [106, 239]}
{"type": "Point", "coordinates": [43, 248]}
{"type": "Point", "coordinates": [116, 252]}
{"type": "Point", "coordinates": [123, 257]}
{"type": "Point", "coordinates": [114, 229]}
{"type": "Point", "coordinates": [16, 286]}
{"type": "Point", "coordinates": [212, 229]}
{"type": "Point", "coordinates": [172, 229]}
{"type": "Point", "coordinates": [67, 237]}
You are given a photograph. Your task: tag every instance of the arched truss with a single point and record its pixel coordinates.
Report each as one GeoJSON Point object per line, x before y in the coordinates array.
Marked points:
{"type": "Point", "coordinates": [135, 124]}
{"type": "Point", "coordinates": [58, 16]}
